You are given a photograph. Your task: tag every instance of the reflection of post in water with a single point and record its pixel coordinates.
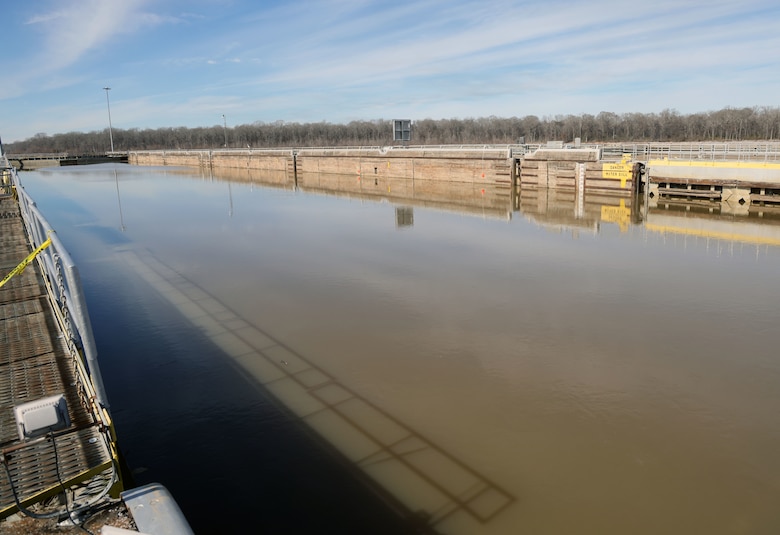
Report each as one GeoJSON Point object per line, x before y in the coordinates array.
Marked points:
{"type": "Point", "coordinates": [119, 202]}
{"type": "Point", "coordinates": [230, 197]}
{"type": "Point", "coordinates": [637, 208]}
{"type": "Point", "coordinates": [579, 189]}
{"type": "Point", "coordinates": [514, 184]}
{"type": "Point", "coordinates": [637, 186]}
{"type": "Point", "coordinates": [295, 169]}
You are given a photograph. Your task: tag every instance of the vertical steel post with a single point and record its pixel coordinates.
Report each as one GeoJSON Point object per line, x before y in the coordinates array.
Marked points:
{"type": "Point", "coordinates": [110, 129]}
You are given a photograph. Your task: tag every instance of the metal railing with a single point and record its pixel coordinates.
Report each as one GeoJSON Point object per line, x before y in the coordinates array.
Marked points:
{"type": "Point", "coordinates": [735, 151]}
{"type": "Point", "coordinates": [744, 151]}
{"type": "Point", "coordinates": [513, 149]}
{"type": "Point", "coordinates": [64, 283]}
{"type": "Point", "coordinates": [38, 156]}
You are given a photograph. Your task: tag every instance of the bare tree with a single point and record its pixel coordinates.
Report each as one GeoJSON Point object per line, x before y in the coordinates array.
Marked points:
{"type": "Point", "coordinates": [668, 125]}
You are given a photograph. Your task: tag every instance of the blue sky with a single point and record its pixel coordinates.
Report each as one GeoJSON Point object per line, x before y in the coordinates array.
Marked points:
{"type": "Point", "coordinates": [187, 62]}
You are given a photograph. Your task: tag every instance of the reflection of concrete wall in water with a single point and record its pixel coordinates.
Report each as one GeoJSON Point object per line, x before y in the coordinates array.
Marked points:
{"type": "Point", "coordinates": [274, 178]}
{"type": "Point", "coordinates": [560, 208]}
{"type": "Point", "coordinates": [723, 226]}
{"type": "Point", "coordinates": [462, 196]}
{"type": "Point", "coordinates": [475, 198]}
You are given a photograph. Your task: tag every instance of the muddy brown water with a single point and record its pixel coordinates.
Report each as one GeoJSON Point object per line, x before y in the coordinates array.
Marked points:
{"type": "Point", "coordinates": [606, 378]}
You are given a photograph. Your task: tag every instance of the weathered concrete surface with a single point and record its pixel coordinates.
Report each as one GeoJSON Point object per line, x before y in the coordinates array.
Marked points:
{"type": "Point", "coordinates": [749, 173]}
{"type": "Point", "coordinates": [470, 165]}
{"type": "Point", "coordinates": [735, 195]}
{"type": "Point", "coordinates": [267, 160]}
{"type": "Point", "coordinates": [419, 164]}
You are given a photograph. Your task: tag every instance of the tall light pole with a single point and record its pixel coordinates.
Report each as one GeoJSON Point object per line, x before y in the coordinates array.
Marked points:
{"type": "Point", "coordinates": [224, 128]}
{"type": "Point", "coordinates": [110, 130]}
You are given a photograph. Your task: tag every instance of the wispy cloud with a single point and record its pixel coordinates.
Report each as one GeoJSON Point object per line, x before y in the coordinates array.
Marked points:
{"type": "Point", "coordinates": [72, 31]}
{"type": "Point", "coordinates": [344, 59]}
{"type": "Point", "coordinates": [464, 39]}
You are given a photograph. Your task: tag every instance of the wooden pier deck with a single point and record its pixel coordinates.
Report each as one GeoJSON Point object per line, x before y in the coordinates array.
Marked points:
{"type": "Point", "coordinates": [36, 362]}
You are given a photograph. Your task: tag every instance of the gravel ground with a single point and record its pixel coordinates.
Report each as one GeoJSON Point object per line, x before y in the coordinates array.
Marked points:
{"type": "Point", "coordinates": [115, 515]}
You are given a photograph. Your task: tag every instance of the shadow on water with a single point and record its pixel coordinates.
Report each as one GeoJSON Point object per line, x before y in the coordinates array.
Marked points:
{"type": "Point", "coordinates": [231, 453]}
{"type": "Point", "coordinates": [418, 479]}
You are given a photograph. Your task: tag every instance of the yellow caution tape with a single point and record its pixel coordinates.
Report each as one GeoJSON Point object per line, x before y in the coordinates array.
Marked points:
{"type": "Point", "coordinates": [18, 269]}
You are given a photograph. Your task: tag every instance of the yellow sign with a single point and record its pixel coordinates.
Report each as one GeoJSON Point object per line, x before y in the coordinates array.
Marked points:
{"type": "Point", "coordinates": [622, 175]}
{"type": "Point", "coordinates": [616, 166]}
{"type": "Point", "coordinates": [617, 171]}
{"type": "Point", "coordinates": [617, 214]}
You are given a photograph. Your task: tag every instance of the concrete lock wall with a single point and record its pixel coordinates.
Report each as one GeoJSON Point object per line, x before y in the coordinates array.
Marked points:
{"type": "Point", "coordinates": [451, 166]}
{"type": "Point", "coordinates": [265, 160]}
{"type": "Point", "coordinates": [579, 170]}
{"type": "Point", "coordinates": [472, 166]}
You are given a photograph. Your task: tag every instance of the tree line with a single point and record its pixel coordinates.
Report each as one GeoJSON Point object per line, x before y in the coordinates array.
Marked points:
{"type": "Point", "coordinates": [729, 124]}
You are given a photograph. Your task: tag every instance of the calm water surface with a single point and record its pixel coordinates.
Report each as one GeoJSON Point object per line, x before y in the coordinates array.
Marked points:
{"type": "Point", "coordinates": [595, 382]}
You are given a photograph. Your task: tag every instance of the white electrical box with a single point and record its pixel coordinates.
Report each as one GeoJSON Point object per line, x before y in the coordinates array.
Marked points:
{"type": "Point", "coordinates": [41, 416]}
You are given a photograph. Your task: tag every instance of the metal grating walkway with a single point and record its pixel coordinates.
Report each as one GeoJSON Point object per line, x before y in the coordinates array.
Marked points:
{"type": "Point", "coordinates": [35, 363]}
